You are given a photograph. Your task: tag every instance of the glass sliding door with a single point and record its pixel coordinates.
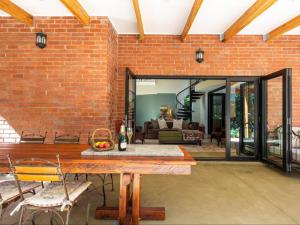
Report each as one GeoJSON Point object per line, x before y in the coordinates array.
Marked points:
{"type": "Point", "coordinates": [242, 117]}
{"type": "Point", "coordinates": [216, 112]}
{"type": "Point", "coordinates": [276, 119]}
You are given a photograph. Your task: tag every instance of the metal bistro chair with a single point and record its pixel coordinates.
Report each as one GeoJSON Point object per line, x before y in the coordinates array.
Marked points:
{"type": "Point", "coordinates": [57, 196]}
{"type": "Point", "coordinates": [66, 138]}
{"type": "Point", "coordinates": [102, 177]}
{"type": "Point", "coordinates": [32, 138]}
{"type": "Point", "coordinates": [10, 193]}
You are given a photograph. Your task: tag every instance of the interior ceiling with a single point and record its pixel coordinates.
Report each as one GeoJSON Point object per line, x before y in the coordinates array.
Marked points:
{"type": "Point", "coordinates": [170, 16]}
{"type": "Point", "coordinates": [209, 85]}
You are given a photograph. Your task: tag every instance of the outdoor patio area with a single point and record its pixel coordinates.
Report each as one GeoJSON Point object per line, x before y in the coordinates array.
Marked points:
{"type": "Point", "coordinates": [216, 193]}
{"type": "Point", "coordinates": [152, 112]}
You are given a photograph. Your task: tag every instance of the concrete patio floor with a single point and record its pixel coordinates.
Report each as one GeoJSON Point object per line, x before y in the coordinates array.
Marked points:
{"type": "Point", "coordinates": [215, 193]}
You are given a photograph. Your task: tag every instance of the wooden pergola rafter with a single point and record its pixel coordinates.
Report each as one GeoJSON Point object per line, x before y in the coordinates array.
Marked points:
{"type": "Point", "coordinates": [77, 10]}
{"type": "Point", "coordinates": [291, 24]}
{"type": "Point", "coordinates": [15, 11]}
{"type": "Point", "coordinates": [138, 18]}
{"type": "Point", "coordinates": [194, 11]}
{"type": "Point", "coordinates": [254, 11]}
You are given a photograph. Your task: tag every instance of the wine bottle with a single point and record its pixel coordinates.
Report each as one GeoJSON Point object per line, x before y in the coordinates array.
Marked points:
{"type": "Point", "coordinates": [122, 142]}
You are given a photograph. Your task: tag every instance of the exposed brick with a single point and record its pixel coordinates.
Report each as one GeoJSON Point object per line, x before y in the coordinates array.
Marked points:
{"type": "Point", "coordinates": [77, 83]}
{"type": "Point", "coordinates": [246, 55]}
{"type": "Point", "coordinates": [57, 87]}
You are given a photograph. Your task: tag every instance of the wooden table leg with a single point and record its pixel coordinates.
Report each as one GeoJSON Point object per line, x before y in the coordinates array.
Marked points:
{"type": "Point", "coordinates": [125, 180]}
{"type": "Point", "coordinates": [136, 199]}
{"type": "Point", "coordinates": [130, 210]}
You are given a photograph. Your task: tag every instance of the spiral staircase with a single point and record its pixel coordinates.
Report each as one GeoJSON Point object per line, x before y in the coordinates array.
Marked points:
{"type": "Point", "coordinates": [185, 99]}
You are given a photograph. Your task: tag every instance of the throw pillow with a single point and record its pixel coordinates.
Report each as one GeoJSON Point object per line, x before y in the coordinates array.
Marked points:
{"type": "Point", "coordinates": [162, 124]}
{"type": "Point", "coordinates": [193, 126]}
{"type": "Point", "coordinates": [177, 124]}
{"type": "Point", "coordinates": [155, 124]}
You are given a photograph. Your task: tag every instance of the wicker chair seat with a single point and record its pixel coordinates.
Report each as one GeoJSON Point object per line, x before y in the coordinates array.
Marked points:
{"type": "Point", "coordinates": [53, 194]}
{"type": "Point", "coordinates": [9, 189]}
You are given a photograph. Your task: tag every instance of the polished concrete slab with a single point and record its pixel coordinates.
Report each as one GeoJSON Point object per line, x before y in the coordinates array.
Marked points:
{"type": "Point", "coordinates": [215, 193]}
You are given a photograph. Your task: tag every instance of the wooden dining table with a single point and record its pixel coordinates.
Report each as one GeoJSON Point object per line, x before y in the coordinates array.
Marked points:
{"type": "Point", "coordinates": [130, 169]}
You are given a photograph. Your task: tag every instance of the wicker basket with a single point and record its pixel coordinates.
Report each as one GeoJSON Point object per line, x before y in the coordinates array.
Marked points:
{"type": "Point", "coordinates": [108, 138]}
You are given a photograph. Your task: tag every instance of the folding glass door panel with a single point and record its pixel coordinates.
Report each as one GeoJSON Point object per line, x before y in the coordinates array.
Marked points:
{"type": "Point", "coordinates": [276, 119]}
{"type": "Point", "coordinates": [130, 101]}
{"type": "Point", "coordinates": [216, 112]}
{"type": "Point", "coordinates": [242, 119]}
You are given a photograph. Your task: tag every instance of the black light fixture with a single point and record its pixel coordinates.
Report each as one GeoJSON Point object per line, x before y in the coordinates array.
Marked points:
{"type": "Point", "coordinates": [199, 55]}
{"type": "Point", "coordinates": [41, 39]}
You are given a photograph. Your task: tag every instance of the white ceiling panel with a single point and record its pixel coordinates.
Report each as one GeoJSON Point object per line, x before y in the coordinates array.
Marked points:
{"type": "Point", "coordinates": [295, 31]}
{"type": "Point", "coordinates": [165, 16]}
{"type": "Point", "coordinates": [43, 7]}
{"type": "Point", "coordinates": [3, 13]}
{"type": "Point", "coordinates": [170, 16]}
{"type": "Point", "coordinates": [215, 16]}
{"type": "Point", "coordinates": [120, 13]}
{"type": "Point", "coordinates": [279, 13]}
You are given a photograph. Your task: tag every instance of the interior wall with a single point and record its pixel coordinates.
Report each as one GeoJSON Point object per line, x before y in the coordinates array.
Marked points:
{"type": "Point", "coordinates": [148, 106]}
{"type": "Point", "coordinates": [243, 55]}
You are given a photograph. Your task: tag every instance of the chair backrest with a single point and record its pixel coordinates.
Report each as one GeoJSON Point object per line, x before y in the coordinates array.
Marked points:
{"type": "Point", "coordinates": [66, 139]}
{"type": "Point", "coordinates": [36, 170]}
{"type": "Point", "coordinates": [296, 137]}
{"type": "Point", "coordinates": [32, 138]}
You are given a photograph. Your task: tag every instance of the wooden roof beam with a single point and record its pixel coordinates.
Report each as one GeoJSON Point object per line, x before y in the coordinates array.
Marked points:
{"type": "Point", "coordinates": [291, 24]}
{"type": "Point", "coordinates": [77, 10]}
{"type": "Point", "coordinates": [16, 12]}
{"type": "Point", "coordinates": [254, 11]}
{"type": "Point", "coordinates": [138, 18]}
{"type": "Point", "coordinates": [194, 11]}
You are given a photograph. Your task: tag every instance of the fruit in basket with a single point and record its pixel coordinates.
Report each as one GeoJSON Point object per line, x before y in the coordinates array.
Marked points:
{"type": "Point", "coordinates": [102, 144]}
{"type": "Point", "coordinates": [106, 145]}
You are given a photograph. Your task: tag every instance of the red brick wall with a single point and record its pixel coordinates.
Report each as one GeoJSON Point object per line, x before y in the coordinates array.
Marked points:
{"type": "Point", "coordinates": [112, 70]}
{"type": "Point", "coordinates": [242, 55]}
{"type": "Point", "coordinates": [275, 99]}
{"type": "Point", "coordinates": [71, 85]}
{"type": "Point", "coordinates": [64, 87]}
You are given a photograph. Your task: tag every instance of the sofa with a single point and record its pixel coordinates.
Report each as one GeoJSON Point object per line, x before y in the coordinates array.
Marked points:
{"type": "Point", "coordinates": [191, 132]}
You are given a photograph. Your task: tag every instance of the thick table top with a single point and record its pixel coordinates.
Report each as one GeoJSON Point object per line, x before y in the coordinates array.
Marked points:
{"type": "Point", "coordinates": [73, 162]}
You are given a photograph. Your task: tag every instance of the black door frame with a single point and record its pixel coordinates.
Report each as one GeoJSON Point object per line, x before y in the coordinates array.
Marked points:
{"type": "Point", "coordinates": [286, 75]}
{"type": "Point", "coordinates": [210, 110]}
{"type": "Point", "coordinates": [256, 119]}
{"type": "Point", "coordinates": [227, 78]}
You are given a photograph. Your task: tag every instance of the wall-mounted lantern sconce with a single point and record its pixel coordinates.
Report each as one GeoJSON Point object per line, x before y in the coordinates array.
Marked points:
{"type": "Point", "coordinates": [41, 40]}
{"type": "Point", "coordinates": [199, 55]}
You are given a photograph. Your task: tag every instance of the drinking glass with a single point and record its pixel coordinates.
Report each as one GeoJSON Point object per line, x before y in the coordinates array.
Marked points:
{"type": "Point", "coordinates": [129, 134]}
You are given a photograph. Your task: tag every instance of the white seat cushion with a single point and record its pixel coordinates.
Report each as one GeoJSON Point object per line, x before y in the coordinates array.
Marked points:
{"type": "Point", "coordinates": [54, 194]}
{"type": "Point", "coordinates": [6, 177]}
{"type": "Point", "coordinates": [295, 139]}
{"type": "Point", "coordinates": [9, 189]}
